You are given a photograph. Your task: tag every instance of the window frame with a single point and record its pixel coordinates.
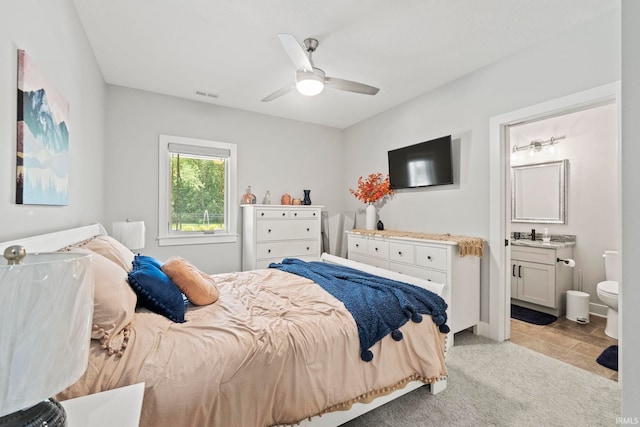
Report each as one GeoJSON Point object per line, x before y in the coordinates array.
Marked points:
{"type": "Point", "coordinates": [165, 236]}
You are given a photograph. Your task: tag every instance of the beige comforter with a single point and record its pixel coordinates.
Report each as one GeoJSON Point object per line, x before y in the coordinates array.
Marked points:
{"type": "Point", "coordinates": [274, 349]}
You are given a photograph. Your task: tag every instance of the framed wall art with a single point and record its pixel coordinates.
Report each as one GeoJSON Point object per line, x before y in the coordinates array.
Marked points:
{"type": "Point", "coordinates": [42, 168]}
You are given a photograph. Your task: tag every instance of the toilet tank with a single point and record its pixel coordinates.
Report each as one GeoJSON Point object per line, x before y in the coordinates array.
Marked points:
{"type": "Point", "coordinates": [611, 265]}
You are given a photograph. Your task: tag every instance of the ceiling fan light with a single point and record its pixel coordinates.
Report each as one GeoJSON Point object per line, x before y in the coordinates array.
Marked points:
{"type": "Point", "coordinates": [310, 83]}
{"type": "Point", "coordinates": [310, 87]}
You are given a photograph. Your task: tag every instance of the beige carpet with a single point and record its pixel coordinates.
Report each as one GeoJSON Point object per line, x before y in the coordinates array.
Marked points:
{"type": "Point", "coordinates": [493, 384]}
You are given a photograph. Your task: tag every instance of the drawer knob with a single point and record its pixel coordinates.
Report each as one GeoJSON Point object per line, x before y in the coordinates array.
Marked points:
{"type": "Point", "coordinates": [283, 214]}
{"type": "Point", "coordinates": [261, 213]}
{"type": "Point", "coordinates": [268, 251]}
{"type": "Point", "coordinates": [400, 253]}
{"type": "Point", "coordinates": [428, 280]}
{"type": "Point", "coordinates": [314, 214]}
{"type": "Point", "coordinates": [376, 249]}
{"type": "Point", "coordinates": [357, 245]}
{"type": "Point", "coordinates": [269, 231]}
{"type": "Point", "coordinates": [429, 257]}
{"type": "Point", "coordinates": [308, 229]}
{"type": "Point", "coordinates": [307, 247]}
{"type": "Point", "coordinates": [295, 214]}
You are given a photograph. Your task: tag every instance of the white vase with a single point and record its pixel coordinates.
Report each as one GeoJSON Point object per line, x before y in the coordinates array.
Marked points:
{"type": "Point", "coordinates": [370, 215]}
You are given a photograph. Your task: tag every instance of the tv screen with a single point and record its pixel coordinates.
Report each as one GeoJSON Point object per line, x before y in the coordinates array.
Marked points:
{"type": "Point", "coordinates": [421, 165]}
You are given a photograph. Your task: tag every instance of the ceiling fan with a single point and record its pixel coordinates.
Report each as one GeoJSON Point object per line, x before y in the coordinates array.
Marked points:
{"type": "Point", "coordinates": [311, 80]}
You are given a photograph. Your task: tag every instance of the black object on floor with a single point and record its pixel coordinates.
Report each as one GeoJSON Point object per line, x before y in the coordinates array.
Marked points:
{"type": "Point", "coordinates": [531, 316]}
{"type": "Point", "coordinates": [609, 358]}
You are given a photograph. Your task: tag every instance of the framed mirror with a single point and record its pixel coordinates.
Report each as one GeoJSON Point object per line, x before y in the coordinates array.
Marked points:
{"type": "Point", "coordinates": [539, 193]}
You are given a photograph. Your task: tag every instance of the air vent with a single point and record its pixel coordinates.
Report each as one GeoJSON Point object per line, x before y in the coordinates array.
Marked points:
{"type": "Point", "coordinates": [207, 94]}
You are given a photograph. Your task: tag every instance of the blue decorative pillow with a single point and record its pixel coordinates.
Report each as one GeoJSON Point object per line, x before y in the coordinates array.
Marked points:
{"type": "Point", "coordinates": [155, 290]}
{"type": "Point", "coordinates": [140, 260]}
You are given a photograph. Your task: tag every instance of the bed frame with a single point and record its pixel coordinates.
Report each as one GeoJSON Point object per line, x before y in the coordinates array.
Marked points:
{"type": "Point", "coordinates": [54, 241]}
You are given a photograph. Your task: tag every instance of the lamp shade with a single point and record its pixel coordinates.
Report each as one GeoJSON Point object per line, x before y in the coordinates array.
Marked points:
{"type": "Point", "coordinates": [129, 233]}
{"type": "Point", "coordinates": [46, 308]}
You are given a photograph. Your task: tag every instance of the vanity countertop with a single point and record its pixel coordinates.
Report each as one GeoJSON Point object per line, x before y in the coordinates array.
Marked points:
{"type": "Point", "coordinates": [540, 244]}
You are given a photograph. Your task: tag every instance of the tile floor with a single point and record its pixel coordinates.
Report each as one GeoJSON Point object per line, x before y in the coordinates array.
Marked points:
{"type": "Point", "coordinates": [578, 345]}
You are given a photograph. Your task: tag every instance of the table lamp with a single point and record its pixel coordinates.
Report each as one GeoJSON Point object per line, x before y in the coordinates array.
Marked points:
{"type": "Point", "coordinates": [130, 233]}
{"type": "Point", "coordinates": [46, 310]}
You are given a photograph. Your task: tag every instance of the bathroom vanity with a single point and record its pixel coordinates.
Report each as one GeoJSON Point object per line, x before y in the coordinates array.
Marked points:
{"type": "Point", "coordinates": [538, 280]}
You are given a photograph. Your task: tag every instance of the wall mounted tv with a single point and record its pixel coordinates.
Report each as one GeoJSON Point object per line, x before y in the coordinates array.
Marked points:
{"type": "Point", "coordinates": [421, 165]}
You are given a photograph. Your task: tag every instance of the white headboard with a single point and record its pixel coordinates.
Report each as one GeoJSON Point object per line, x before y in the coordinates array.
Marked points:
{"type": "Point", "coordinates": [53, 241]}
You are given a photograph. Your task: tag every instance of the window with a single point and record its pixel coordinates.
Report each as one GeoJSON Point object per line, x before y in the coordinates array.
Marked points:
{"type": "Point", "coordinates": [197, 191]}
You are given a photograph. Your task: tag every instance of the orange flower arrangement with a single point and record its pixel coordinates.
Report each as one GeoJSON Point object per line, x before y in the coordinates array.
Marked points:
{"type": "Point", "coordinates": [373, 188]}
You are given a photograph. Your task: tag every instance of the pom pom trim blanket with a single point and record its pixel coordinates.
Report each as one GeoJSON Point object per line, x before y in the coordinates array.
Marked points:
{"type": "Point", "coordinates": [363, 294]}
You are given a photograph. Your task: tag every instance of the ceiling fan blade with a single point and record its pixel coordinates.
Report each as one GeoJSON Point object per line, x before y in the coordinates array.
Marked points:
{"type": "Point", "coordinates": [278, 93]}
{"type": "Point", "coordinates": [350, 86]}
{"type": "Point", "coordinates": [295, 52]}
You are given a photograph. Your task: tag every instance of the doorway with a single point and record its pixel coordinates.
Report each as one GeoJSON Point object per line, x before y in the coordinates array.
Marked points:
{"type": "Point", "coordinates": [500, 208]}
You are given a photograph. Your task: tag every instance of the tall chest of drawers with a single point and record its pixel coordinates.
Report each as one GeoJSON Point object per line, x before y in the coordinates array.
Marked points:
{"type": "Point", "coordinates": [274, 232]}
{"type": "Point", "coordinates": [437, 261]}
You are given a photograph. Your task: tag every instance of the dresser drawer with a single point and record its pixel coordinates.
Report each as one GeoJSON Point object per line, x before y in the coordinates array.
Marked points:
{"type": "Point", "coordinates": [357, 245]}
{"type": "Point", "coordinates": [272, 213]}
{"type": "Point", "coordinates": [287, 249]}
{"type": "Point", "coordinates": [402, 252]}
{"type": "Point", "coordinates": [378, 248]}
{"type": "Point", "coordinates": [432, 257]}
{"type": "Point", "coordinates": [304, 213]}
{"type": "Point", "coordinates": [273, 229]}
{"type": "Point", "coordinates": [421, 273]}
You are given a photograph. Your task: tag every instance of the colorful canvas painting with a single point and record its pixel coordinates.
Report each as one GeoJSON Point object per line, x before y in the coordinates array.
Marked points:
{"type": "Point", "coordinates": [43, 138]}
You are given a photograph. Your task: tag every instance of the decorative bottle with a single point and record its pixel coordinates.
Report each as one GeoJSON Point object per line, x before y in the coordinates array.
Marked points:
{"type": "Point", "coordinates": [249, 198]}
{"type": "Point", "coordinates": [267, 198]}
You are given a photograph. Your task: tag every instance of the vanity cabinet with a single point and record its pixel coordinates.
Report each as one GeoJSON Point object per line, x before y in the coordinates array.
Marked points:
{"type": "Point", "coordinates": [437, 261]}
{"type": "Point", "coordinates": [271, 233]}
{"type": "Point", "coordinates": [538, 280]}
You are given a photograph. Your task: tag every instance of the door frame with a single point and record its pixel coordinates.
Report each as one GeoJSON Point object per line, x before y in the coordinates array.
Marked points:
{"type": "Point", "coordinates": [500, 190]}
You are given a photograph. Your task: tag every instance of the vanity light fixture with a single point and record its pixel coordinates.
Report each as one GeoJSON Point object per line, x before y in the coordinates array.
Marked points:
{"type": "Point", "coordinates": [535, 146]}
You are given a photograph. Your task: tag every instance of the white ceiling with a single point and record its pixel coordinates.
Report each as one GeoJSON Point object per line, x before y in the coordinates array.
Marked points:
{"type": "Point", "coordinates": [230, 47]}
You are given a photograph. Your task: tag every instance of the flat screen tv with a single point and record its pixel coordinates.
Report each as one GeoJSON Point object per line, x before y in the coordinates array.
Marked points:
{"type": "Point", "coordinates": [421, 165]}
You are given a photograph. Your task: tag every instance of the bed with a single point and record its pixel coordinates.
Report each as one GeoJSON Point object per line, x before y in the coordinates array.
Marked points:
{"type": "Point", "coordinates": [275, 348]}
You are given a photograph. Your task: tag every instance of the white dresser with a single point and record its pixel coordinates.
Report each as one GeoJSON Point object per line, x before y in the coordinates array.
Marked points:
{"type": "Point", "coordinates": [273, 232]}
{"type": "Point", "coordinates": [436, 261]}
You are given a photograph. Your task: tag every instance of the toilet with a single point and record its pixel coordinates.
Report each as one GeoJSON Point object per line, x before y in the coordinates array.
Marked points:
{"type": "Point", "coordinates": [608, 292]}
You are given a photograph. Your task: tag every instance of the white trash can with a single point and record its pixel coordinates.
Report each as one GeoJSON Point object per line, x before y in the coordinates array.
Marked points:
{"type": "Point", "coordinates": [578, 306]}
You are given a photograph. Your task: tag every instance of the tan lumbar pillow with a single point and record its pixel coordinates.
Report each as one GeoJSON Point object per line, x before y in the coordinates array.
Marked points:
{"type": "Point", "coordinates": [196, 285]}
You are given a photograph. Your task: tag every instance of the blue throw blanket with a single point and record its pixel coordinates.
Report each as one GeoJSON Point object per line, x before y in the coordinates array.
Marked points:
{"type": "Point", "coordinates": [379, 306]}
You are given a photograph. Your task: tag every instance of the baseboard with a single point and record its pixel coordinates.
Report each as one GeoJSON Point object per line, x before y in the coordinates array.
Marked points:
{"type": "Point", "coordinates": [598, 309]}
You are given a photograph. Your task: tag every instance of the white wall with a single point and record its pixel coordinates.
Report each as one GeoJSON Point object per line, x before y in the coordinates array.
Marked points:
{"type": "Point", "coordinates": [51, 34]}
{"type": "Point", "coordinates": [578, 59]}
{"type": "Point", "coordinates": [282, 156]}
{"type": "Point", "coordinates": [592, 197]}
{"type": "Point", "coordinates": [630, 195]}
